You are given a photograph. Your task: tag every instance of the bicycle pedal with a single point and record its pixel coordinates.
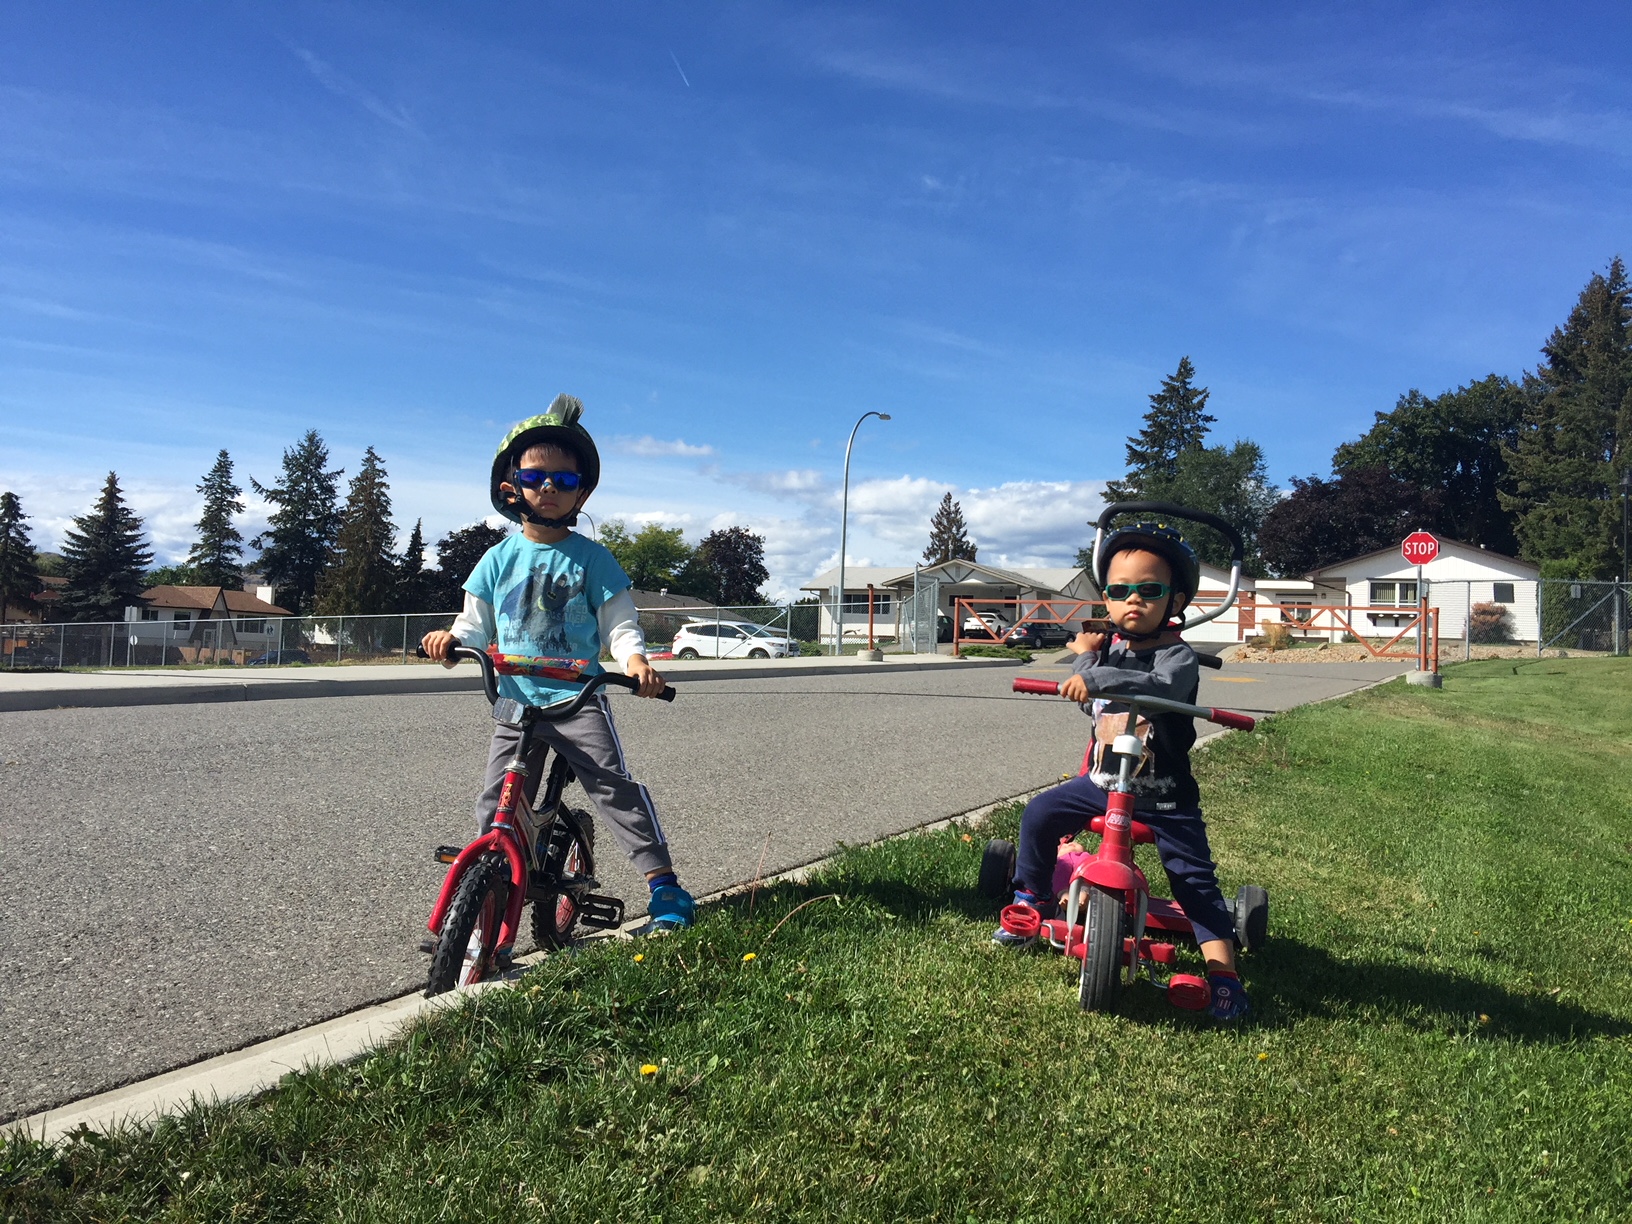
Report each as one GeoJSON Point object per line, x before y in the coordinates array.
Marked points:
{"type": "Point", "coordinates": [446, 854]}
{"type": "Point", "coordinates": [599, 911]}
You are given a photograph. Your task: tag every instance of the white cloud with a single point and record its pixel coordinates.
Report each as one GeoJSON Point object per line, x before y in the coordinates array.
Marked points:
{"type": "Point", "coordinates": [648, 447]}
{"type": "Point", "coordinates": [342, 86]}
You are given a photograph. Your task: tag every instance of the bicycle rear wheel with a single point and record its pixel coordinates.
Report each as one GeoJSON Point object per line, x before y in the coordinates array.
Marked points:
{"type": "Point", "coordinates": [470, 928]}
{"type": "Point", "coordinates": [555, 914]}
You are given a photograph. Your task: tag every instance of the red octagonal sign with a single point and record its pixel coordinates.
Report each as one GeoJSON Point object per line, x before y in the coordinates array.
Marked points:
{"type": "Point", "coordinates": [1420, 548]}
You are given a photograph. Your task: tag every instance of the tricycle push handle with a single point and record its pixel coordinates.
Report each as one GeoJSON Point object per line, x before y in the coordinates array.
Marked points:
{"type": "Point", "coordinates": [490, 682]}
{"type": "Point", "coordinates": [1224, 718]}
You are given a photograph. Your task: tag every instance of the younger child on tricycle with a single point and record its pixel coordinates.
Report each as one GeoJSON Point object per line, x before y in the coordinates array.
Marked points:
{"type": "Point", "coordinates": [1148, 574]}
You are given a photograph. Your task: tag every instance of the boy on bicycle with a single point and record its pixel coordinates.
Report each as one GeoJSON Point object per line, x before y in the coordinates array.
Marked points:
{"type": "Point", "coordinates": [1148, 574]}
{"type": "Point", "coordinates": [550, 592]}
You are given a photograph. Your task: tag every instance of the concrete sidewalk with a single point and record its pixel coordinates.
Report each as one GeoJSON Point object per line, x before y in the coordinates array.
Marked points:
{"type": "Point", "coordinates": [169, 686]}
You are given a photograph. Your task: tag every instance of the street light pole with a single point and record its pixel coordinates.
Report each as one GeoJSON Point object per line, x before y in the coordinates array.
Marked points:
{"type": "Point", "coordinates": [844, 524]}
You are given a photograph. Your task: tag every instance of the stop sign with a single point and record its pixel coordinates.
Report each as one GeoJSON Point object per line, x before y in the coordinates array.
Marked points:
{"type": "Point", "coordinates": [1420, 548]}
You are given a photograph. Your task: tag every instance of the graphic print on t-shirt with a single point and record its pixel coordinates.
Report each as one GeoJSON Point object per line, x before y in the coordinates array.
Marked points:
{"type": "Point", "coordinates": [536, 609]}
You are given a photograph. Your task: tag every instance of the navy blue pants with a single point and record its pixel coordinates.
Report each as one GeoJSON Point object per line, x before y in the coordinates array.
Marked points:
{"type": "Point", "coordinates": [1181, 840]}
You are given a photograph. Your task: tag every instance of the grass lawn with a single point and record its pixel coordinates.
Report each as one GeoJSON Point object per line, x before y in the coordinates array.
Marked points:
{"type": "Point", "coordinates": [1443, 1030]}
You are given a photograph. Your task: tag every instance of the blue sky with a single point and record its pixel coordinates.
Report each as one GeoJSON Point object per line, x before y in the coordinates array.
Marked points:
{"type": "Point", "coordinates": [732, 228]}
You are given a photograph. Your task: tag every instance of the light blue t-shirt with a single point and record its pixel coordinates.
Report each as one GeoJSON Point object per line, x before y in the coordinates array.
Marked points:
{"type": "Point", "coordinates": [545, 597]}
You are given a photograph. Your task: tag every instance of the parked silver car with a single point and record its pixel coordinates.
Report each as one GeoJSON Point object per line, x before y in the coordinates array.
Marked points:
{"type": "Point", "coordinates": [731, 640]}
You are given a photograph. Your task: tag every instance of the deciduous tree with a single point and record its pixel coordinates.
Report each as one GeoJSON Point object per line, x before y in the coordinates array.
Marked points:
{"type": "Point", "coordinates": [948, 535]}
{"type": "Point", "coordinates": [1323, 521]}
{"type": "Point", "coordinates": [653, 557]}
{"type": "Point", "coordinates": [216, 557]}
{"type": "Point", "coordinates": [734, 559]}
{"type": "Point", "coordinates": [106, 559]}
{"type": "Point", "coordinates": [456, 555]}
{"type": "Point", "coordinates": [20, 583]}
{"type": "Point", "coordinates": [301, 531]}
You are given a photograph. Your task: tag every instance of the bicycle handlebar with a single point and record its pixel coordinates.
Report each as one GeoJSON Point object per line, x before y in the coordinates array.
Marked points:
{"type": "Point", "coordinates": [490, 682]}
{"type": "Point", "coordinates": [1238, 548]}
{"type": "Point", "coordinates": [1224, 718]}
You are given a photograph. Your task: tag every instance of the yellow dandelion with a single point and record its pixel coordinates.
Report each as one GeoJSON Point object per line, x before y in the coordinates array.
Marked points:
{"type": "Point", "coordinates": [747, 956]}
{"type": "Point", "coordinates": [648, 1068]}
{"type": "Point", "coordinates": [1262, 1056]}
{"type": "Point", "coordinates": [966, 837]}
{"type": "Point", "coordinates": [1483, 1019]}
{"type": "Point", "coordinates": [639, 956]}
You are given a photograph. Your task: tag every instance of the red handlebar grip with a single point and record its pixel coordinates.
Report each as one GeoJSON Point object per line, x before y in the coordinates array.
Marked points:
{"type": "Point", "coordinates": [1025, 684]}
{"type": "Point", "coordinates": [1229, 718]}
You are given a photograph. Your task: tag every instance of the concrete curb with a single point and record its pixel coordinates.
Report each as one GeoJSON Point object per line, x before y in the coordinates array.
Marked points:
{"type": "Point", "coordinates": [190, 688]}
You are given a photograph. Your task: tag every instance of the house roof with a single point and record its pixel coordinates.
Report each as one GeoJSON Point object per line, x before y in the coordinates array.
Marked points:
{"type": "Point", "coordinates": [1463, 545]}
{"type": "Point", "coordinates": [858, 576]}
{"type": "Point", "coordinates": [208, 598]}
{"type": "Point", "coordinates": [659, 601]}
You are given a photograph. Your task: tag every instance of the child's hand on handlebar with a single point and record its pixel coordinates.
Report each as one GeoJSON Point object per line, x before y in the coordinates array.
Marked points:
{"type": "Point", "coordinates": [1075, 689]}
{"type": "Point", "coordinates": [438, 644]}
{"type": "Point", "coordinates": [1086, 643]}
{"type": "Point", "coordinates": [637, 668]}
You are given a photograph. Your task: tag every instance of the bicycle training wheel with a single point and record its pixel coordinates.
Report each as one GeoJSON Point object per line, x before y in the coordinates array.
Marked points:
{"type": "Point", "coordinates": [1101, 984]}
{"type": "Point", "coordinates": [556, 914]}
{"type": "Point", "coordinates": [470, 928]}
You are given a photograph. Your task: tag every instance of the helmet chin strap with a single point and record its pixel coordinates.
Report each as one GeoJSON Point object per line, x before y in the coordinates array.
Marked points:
{"type": "Point", "coordinates": [569, 519]}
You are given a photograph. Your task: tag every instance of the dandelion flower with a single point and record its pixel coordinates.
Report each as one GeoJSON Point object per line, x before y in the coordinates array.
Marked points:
{"type": "Point", "coordinates": [639, 956]}
{"type": "Point", "coordinates": [966, 837]}
{"type": "Point", "coordinates": [648, 1068]}
{"type": "Point", "coordinates": [1263, 1055]}
{"type": "Point", "coordinates": [747, 956]}
{"type": "Point", "coordinates": [1483, 1019]}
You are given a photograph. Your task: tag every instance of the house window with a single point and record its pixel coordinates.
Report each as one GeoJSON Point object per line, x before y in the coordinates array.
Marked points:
{"type": "Point", "coordinates": [1502, 592]}
{"type": "Point", "coordinates": [856, 601]}
{"type": "Point", "coordinates": [1393, 593]}
{"type": "Point", "coordinates": [150, 614]}
{"type": "Point", "coordinates": [1297, 611]}
{"type": "Point", "coordinates": [182, 618]}
{"type": "Point", "coordinates": [252, 626]}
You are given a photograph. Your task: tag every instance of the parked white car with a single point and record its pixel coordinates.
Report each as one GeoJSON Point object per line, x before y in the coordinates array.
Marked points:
{"type": "Point", "coordinates": [731, 640]}
{"type": "Point", "coordinates": [986, 624]}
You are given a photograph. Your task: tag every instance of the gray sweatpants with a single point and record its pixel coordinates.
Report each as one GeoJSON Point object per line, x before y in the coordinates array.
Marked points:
{"type": "Point", "coordinates": [589, 742]}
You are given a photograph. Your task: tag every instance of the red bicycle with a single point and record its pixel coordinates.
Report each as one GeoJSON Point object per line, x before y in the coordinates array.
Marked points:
{"type": "Point", "coordinates": [543, 853]}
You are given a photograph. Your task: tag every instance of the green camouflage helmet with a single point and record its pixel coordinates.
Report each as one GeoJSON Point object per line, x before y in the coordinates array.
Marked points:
{"type": "Point", "coordinates": [559, 426]}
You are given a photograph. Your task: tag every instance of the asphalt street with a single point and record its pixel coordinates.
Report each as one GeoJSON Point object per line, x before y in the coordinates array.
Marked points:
{"type": "Point", "coordinates": [187, 879]}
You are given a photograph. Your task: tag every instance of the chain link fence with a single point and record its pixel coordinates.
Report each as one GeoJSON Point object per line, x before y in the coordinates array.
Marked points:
{"type": "Point", "coordinates": [1584, 616]}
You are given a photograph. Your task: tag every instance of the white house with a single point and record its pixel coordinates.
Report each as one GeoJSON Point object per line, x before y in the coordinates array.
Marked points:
{"type": "Point", "coordinates": [1461, 576]}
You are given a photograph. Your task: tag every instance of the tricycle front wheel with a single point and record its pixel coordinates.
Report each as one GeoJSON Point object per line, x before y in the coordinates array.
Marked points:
{"type": "Point", "coordinates": [1106, 928]}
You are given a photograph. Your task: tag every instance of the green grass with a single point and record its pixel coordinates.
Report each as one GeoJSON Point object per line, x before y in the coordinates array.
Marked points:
{"type": "Point", "coordinates": [1444, 1027]}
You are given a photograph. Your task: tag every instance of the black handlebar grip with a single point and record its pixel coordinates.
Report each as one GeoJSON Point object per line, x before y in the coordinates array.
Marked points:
{"type": "Point", "coordinates": [667, 694]}
{"type": "Point", "coordinates": [1212, 661]}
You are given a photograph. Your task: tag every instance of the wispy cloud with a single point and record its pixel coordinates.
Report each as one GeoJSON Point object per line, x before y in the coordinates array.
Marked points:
{"type": "Point", "coordinates": [648, 447]}
{"type": "Point", "coordinates": [342, 86]}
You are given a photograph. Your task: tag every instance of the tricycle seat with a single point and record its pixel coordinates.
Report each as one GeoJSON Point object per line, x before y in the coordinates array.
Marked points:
{"type": "Point", "coordinates": [1142, 836]}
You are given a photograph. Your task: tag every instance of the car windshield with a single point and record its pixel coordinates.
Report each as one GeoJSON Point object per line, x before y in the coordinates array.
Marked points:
{"type": "Point", "coordinates": [760, 631]}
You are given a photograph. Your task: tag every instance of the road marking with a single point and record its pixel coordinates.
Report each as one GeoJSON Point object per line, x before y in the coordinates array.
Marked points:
{"type": "Point", "coordinates": [1234, 679]}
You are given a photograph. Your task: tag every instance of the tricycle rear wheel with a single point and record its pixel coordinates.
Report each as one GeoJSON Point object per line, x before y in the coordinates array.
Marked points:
{"type": "Point", "coordinates": [997, 869]}
{"type": "Point", "coordinates": [1251, 917]}
{"type": "Point", "coordinates": [1101, 983]}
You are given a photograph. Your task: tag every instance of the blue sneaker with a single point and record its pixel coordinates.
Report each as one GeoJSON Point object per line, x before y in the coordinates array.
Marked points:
{"type": "Point", "coordinates": [669, 909]}
{"type": "Point", "coordinates": [1229, 997]}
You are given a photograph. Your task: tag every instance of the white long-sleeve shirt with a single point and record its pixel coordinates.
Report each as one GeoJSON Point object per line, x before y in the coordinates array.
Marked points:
{"type": "Point", "coordinates": [618, 619]}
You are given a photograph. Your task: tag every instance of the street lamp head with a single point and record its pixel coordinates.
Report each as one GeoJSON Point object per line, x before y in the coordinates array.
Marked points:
{"type": "Point", "coordinates": [884, 416]}
{"type": "Point", "coordinates": [1626, 482]}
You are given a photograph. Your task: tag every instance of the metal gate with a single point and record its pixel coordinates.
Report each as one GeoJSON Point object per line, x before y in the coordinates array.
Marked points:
{"type": "Point", "coordinates": [918, 616]}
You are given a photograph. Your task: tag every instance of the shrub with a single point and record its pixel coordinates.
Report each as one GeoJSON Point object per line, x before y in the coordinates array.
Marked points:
{"type": "Point", "coordinates": [1490, 622]}
{"type": "Point", "coordinates": [996, 652]}
{"type": "Point", "coordinates": [1277, 637]}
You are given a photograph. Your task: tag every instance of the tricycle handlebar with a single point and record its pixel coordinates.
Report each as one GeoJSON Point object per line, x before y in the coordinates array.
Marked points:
{"type": "Point", "coordinates": [1224, 718]}
{"type": "Point", "coordinates": [490, 682]}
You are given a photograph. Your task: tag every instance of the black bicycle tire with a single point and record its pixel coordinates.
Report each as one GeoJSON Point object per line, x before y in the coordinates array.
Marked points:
{"type": "Point", "coordinates": [1105, 926]}
{"type": "Point", "coordinates": [549, 931]}
{"type": "Point", "coordinates": [996, 879]}
{"type": "Point", "coordinates": [489, 874]}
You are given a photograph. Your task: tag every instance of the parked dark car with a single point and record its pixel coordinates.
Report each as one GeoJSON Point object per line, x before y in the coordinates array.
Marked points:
{"type": "Point", "coordinates": [279, 658]}
{"type": "Point", "coordinates": [1039, 635]}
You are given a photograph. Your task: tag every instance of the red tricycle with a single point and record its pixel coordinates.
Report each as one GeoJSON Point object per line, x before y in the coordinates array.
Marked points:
{"type": "Point", "coordinates": [1111, 921]}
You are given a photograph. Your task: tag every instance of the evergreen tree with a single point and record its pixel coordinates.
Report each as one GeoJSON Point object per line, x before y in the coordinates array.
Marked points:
{"type": "Point", "coordinates": [456, 555]}
{"type": "Point", "coordinates": [1450, 448]}
{"type": "Point", "coordinates": [216, 559]}
{"type": "Point", "coordinates": [361, 579]}
{"type": "Point", "coordinates": [1576, 437]}
{"type": "Point", "coordinates": [301, 531]}
{"type": "Point", "coordinates": [411, 578]}
{"type": "Point", "coordinates": [19, 567]}
{"type": "Point", "coordinates": [105, 559]}
{"type": "Point", "coordinates": [734, 558]}
{"type": "Point", "coordinates": [1175, 422]}
{"type": "Point", "coordinates": [948, 535]}
{"type": "Point", "coordinates": [1229, 481]}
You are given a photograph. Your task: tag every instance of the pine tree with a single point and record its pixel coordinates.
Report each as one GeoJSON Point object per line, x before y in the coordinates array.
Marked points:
{"type": "Point", "coordinates": [301, 531]}
{"type": "Point", "coordinates": [19, 567]}
{"type": "Point", "coordinates": [361, 579]}
{"type": "Point", "coordinates": [105, 559]}
{"type": "Point", "coordinates": [1576, 438]}
{"type": "Point", "coordinates": [216, 559]}
{"type": "Point", "coordinates": [948, 537]}
{"type": "Point", "coordinates": [456, 555]}
{"type": "Point", "coordinates": [1175, 422]}
{"type": "Point", "coordinates": [411, 584]}
{"type": "Point", "coordinates": [734, 558]}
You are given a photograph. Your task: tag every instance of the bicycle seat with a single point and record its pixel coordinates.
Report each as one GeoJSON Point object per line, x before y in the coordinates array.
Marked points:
{"type": "Point", "coordinates": [1142, 836]}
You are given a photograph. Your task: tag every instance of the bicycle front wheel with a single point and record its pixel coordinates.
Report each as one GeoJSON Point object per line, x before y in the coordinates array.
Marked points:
{"type": "Point", "coordinates": [470, 928]}
{"type": "Point", "coordinates": [1101, 984]}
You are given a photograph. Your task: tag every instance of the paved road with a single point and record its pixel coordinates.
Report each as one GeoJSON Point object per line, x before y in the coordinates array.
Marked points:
{"type": "Point", "coordinates": [184, 880]}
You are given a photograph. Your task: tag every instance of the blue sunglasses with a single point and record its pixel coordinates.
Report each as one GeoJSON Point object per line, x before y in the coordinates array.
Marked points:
{"type": "Point", "coordinates": [534, 478]}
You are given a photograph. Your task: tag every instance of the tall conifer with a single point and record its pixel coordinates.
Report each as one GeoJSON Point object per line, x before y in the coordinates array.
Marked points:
{"type": "Point", "coordinates": [361, 579]}
{"type": "Point", "coordinates": [412, 589]}
{"type": "Point", "coordinates": [1175, 422]}
{"type": "Point", "coordinates": [215, 558]}
{"type": "Point", "coordinates": [300, 532]}
{"type": "Point", "coordinates": [19, 567]}
{"type": "Point", "coordinates": [948, 535]}
{"type": "Point", "coordinates": [104, 559]}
